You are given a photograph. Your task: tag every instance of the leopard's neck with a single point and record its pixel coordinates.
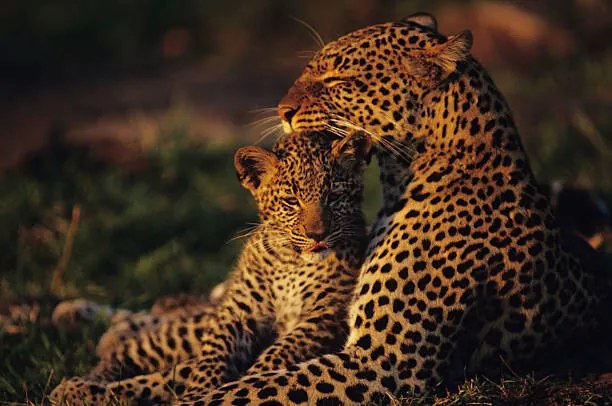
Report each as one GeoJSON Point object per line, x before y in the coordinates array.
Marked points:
{"type": "Point", "coordinates": [465, 129]}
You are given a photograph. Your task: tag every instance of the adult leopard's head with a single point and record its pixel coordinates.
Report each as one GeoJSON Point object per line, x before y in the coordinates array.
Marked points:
{"type": "Point", "coordinates": [308, 189]}
{"type": "Point", "coordinates": [374, 79]}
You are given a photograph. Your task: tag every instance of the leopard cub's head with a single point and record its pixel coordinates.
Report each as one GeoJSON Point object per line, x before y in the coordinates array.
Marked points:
{"type": "Point", "coordinates": [308, 190]}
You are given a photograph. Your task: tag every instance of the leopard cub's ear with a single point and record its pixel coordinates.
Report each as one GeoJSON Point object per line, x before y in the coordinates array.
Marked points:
{"type": "Point", "coordinates": [253, 166]}
{"type": "Point", "coordinates": [353, 151]}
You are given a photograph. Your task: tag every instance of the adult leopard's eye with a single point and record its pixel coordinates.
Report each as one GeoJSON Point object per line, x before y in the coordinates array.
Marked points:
{"type": "Point", "coordinates": [290, 201]}
{"type": "Point", "coordinates": [332, 81]}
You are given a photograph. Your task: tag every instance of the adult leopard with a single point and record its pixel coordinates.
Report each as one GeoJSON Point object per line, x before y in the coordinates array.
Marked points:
{"type": "Point", "coordinates": [465, 263]}
{"type": "Point", "coordinates": [287, 299]}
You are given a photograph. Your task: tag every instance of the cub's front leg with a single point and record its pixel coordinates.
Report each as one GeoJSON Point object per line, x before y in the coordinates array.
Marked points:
{"type": "Point", "coordinates": [320, 332]}
{"type": "Point", "coordinates": [226, 349]}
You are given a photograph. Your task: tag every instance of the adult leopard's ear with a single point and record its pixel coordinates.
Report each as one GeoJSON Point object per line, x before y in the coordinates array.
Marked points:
{"type": "Point", "coordinates": [456, 49]}
{"type": "Point", "coordinates": [434, 64]}
{"type": "Point", "coordinates": [353, 151]}
{"type": "Point", "coordinates": [423, 19]}
{"type": "Point", "coordinates": [253, 165]}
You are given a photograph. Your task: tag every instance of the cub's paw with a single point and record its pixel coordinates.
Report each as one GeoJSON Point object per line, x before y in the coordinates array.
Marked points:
{"type": "Point", "coordinates": [72, 314]}
{"type": "Point", "coordinates": [77, 391]}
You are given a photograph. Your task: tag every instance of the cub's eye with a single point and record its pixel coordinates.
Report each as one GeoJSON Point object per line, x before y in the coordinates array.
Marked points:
{"type": "Point", "coordinates": [290, 201]}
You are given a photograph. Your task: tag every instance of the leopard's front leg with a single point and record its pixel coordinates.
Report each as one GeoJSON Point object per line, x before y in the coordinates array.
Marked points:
{"type": "Point", "coordinates": [317, 334]}
{"type": "Point", "coordinates": [227, 348]}
{"type": "Point", "coordinates": [155, 388]}
{"type": "Point", "coordinates": [152, 350]}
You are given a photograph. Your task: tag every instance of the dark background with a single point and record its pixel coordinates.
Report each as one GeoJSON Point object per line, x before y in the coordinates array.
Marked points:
{"type": "Point", "coordinates": [99, 70]}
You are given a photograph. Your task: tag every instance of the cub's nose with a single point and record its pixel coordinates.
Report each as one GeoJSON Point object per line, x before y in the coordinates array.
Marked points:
{"type": "Point", "coordinates": [287, 111]}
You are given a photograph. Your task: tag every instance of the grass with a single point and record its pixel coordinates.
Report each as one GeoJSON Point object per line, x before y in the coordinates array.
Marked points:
{"type": "Point", "coordinates": [166, 225]}
{"type": "Point", "coordinates": [142, 234]}
{"type": "Point", "coordinates": [519, 390]}
{"type": "Point", "coordinates": [35, 361]}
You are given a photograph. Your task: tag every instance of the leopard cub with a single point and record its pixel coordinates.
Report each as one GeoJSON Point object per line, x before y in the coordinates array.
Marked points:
{"type": "Point", "coordinates": [288, 295]}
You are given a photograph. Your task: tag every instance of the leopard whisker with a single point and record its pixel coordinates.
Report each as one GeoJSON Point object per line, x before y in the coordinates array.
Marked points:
{"type": "Point", "coordinates": [271, 129]}
{"type": "Point", "coordinates": [306, 54]}
{"type": "Point", "coordinates": [279, 244]}
{"type": "Point", "coordinates": [313, 32]}
{"type": "Point", "coordinates": [405, 151]}
{"type": "Point", "coordinates": [394, 150]}
{"type": "Point", "coordinates": [246, 232]}
{"type": "Point", "coordinates": [254, 228]}
{"type": "Point", "coordinates": [241, 236]}
{"type": "Point", "coordinates": [274, 130]}
{"type": "Point", "coordinates": [336, 130]}
{"type": "Point", "coordinates": [263, 121]}
{"type": "Point", "coordinates": [388, 145]}
{"type": "Point", "coordinates": [264, 110]}
{"type": "Point", "coordinates": [277, 241]}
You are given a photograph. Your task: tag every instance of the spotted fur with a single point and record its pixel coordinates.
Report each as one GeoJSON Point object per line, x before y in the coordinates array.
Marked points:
{"type": "Point", "coordinates": [290, 290]}
{"type": "Point", "coordinates": [465, 266]}
{"type": "Point", "coordinates": [127, 328]}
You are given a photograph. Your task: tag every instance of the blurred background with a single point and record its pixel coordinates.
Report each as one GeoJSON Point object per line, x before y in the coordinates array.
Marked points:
{"type": "Point", "coordinates": [119, 118]}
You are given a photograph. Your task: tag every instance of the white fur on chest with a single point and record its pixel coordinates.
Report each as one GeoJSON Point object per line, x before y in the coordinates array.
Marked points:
{"type": "Point", "coordinates": [289, 304]}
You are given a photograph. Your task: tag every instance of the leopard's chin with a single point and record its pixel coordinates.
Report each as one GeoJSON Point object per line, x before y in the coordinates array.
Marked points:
{"type": "Point", "coordinates": [314, 257]}
{"type": "Point", "coordinates": [315, 253]}
{"type": "Point", "coordinates": [286, 127]}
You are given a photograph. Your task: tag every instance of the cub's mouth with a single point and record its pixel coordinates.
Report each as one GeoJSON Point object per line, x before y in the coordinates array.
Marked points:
{"type": "Point", "coordinates": [318, 251]}
{"type": "Point", "coordinates": [317, 247]}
